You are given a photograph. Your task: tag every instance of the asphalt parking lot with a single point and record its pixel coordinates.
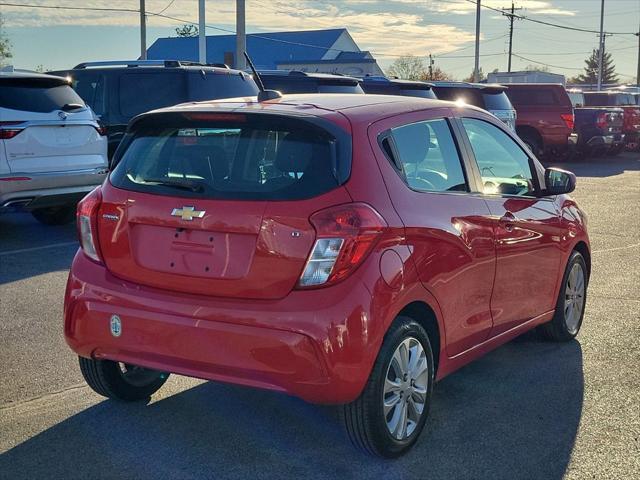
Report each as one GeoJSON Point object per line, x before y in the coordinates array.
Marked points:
{"type": "Point", "coordinates": [529, 410]}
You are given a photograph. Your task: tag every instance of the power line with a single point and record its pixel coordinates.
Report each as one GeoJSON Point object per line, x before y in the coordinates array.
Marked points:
{"type": "Point", "coordinates": [550, 24]}
{"type": "Point", "coordinates": [546, 64]}
{"type": "Point", "coordinates": [56, 7]}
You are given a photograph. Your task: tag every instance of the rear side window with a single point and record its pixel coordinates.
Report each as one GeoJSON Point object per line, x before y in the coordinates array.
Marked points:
{"type": "Point", "coordinates": [429, 157]}
{"type": "Point", "coordinates": [35, 95]}
{"type": "Point", "coordinates": [92, 90]}
{"type": "Point", "coordinates": [141, 92]}
{"type": "Point", "coordinates": [240, 157]}
{"type": "Point", "coordinates": [496, 101]}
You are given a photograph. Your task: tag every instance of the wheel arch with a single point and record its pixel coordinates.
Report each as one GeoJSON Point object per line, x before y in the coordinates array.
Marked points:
{"type": "Point", "coordinates": [582, 248]}
{"type": "Point", "coordinates": [526, 130]}
{"type": "Point", "coordinates": [422, 313]}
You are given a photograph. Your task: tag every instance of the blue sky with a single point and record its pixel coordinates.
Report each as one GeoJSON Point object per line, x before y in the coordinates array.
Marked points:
{"type": "Point", "coordinates": [61, 38]}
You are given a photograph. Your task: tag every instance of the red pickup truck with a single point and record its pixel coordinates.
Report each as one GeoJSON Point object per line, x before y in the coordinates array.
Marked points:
{"type": "Point", "coordinates": [631, 119]}
{"type": "Point", "coordinates": [545, 117]}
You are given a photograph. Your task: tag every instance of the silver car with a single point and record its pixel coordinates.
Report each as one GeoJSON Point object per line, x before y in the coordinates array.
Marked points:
{"type": "Point", "coordinates": [52, 148]}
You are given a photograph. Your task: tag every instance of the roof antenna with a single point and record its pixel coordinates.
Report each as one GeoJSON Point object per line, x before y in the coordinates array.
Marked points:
{"type": "Point", "coordinates": [263, 94]}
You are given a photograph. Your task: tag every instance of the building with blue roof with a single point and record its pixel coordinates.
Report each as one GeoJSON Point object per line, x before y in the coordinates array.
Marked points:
{"type": "Point", "coordinates": [326, 51]}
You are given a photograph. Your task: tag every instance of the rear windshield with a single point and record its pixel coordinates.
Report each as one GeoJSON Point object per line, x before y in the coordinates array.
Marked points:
{"type": "Point", "coordinates": [471, 96]}
{"type": "Point", "coordinates": [391, 89]}
{"type": "Point", "coordinates": [254, 157]}
{"type": "Point", "coordinates": [144, 91]}
{"type": "Point", "coordinates": [337, 88]}
{"type": "Point", "coordinates": [608, 100]}
{"type": "Point", "coordinates": [36, 96]}
{"type": "Point", "coordinates": [496, 101]}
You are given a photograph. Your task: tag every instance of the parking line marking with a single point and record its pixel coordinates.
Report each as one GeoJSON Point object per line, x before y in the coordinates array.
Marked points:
{"type": "Point", "coordinates": [616, 248]}
{"type": "Point", "coordinates": [32, 249]}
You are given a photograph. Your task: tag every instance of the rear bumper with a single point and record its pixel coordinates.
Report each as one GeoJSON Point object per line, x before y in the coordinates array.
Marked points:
{"type": "Point", "coordinates": [317, 345]}
{"type": "Point", "coordinates": [39, 190]}
{"type": "Point", "coordinates": [606, 140]}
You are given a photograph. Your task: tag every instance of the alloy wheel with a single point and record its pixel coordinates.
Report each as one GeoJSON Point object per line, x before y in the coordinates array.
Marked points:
{"type": "Point", "coordinates": [574, 298]}
{"type": "Point", "coordinates": [405, 388]}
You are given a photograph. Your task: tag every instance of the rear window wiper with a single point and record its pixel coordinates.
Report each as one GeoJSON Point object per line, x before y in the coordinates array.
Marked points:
{"type": "Point", "coordinates": [70, 107]}
{"type": "Point", "coordinates": [167, 182]}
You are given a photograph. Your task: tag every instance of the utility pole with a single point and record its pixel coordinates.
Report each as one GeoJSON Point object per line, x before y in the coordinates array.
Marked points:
{"type": "Point", "coordinates": [202, 34]}
{"type": "Point", "coordinates": [601, 48]}
{"type": "Point", "coordinates": [143, 31]}
{"type": "Point", "coordinates": [511, 15]}
{"type": "Point", "coordinates": [638, 72]}
{"type": "Point", "coordinates": [431, 62]}
{"type": "Point", "coordinates": [241, 37]}
{"type": "Point", "coordinates": [476, 68]}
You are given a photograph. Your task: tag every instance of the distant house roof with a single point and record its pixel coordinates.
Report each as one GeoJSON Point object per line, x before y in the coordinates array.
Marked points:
{"type": "Point", "coordinates": [267, 50]}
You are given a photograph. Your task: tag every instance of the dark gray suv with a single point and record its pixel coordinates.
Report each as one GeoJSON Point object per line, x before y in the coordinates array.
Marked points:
{"type": "Point", "coordinates": [117, 91]}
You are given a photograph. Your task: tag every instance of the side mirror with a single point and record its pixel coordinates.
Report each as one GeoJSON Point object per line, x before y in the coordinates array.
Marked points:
{"type": "Point", "coordinates": [558, 181]}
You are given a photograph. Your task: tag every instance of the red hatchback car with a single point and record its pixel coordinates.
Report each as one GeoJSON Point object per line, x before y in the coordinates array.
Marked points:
{"type": "Point", "coordinates": [345, 249]}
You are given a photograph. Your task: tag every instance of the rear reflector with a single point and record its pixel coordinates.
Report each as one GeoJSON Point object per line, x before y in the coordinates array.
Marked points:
{"type": "Point", "coordinates": [344, 237]}
{"type": "Point", "coordinates": [87, 217]}
{"type": "Point", "coordinates": [102, 130]}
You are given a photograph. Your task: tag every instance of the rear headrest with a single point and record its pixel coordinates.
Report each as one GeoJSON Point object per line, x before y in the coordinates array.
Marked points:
{"type": "Point", "coordinates": [294, 153]}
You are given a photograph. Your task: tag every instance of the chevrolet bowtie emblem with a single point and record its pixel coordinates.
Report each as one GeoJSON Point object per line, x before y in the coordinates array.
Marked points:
{"type": "Point", "coordinates": [187, 213]}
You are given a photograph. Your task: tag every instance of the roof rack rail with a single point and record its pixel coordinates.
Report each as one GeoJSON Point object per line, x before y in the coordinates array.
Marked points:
{"type": "Point", "coordinates": [148, 63]}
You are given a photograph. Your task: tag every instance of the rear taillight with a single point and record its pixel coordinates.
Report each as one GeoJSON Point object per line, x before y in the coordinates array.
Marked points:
{"type": "Point", "coordinates": [87, 216]}
{"type": "Point", "coordinates": [568, 120]}
{"type": "Point", "coordinates": [101, 129]}
{"type": "Point", "coordinates": [345, 235]}
{"type": "Point", "coordinates": [8, 129]}
{"type": "Point", "coordinates": [601, 121]}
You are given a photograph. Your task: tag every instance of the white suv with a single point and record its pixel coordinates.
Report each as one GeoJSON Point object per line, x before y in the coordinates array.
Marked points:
{"type": "Point", "coordinates": [52, 148]}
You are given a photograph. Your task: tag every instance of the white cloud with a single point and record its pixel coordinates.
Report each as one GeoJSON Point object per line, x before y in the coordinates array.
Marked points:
{"type": "Point", "coordinates": [376, 25]}
{"type": "Point", "coordinates": [464, 7]}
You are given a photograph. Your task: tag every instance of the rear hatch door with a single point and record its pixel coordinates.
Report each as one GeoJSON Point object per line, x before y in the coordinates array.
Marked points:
{"type": "Point", "coordinates": [219, 206]}
{"type": "Point", "coordinates": [57, 131]}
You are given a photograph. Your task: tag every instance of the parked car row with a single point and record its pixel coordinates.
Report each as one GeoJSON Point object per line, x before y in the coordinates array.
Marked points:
{"type": "Point", "coordinates": [59, 130]}
{"type": "Point", "coordinates": [549, 119]}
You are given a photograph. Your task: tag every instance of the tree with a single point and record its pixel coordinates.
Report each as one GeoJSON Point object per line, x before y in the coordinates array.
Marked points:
{"type": "Point", "coordinates": [536, 68]}
{"type": "Point", "coordinates": [5, 45]}
{"type": "Point", "coordinates": [471, 78]}
{"type": "Point", "coordinates": [408, 67]}
{"type": "Point", "coordinates": [590, 74]}
{"type": "Point", "coordinates": [187, 30]}
{"type": "Point", "coordinates": [437, 74]}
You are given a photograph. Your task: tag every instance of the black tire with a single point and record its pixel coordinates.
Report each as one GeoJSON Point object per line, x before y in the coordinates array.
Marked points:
{"type": "Point", "coordinates": [121, 381]}
{"type": "Point", "coordinates": [560, 329]}
{"type": "Point", "coordinates": [614, 151]}
{"type": "Point", "coordinates": [533, 144]}
{"type": "Point", "coordinates": [55, 215]}
{"type": "Point", "coordinates": [364, 418]}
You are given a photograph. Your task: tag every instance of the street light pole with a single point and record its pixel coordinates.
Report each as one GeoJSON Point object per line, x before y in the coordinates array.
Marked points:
{"type": "Point", "coordinates": [143, 31]}
{"type": "Point", "coordinates": [241, 38]}
{"type": "Point", "coordinates": [202, 34]}
{"type": "Point", "coordinates": [601, 48]}
{"type": "Point", "coordinates": [476, 68]}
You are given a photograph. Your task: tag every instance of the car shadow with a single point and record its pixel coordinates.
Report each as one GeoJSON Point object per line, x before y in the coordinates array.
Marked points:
{"type": "Point", "coordinates": [28, 248]}
{"type": "Point", "coordinates": [513, 414]}
{"type": "Point", "coordinates": [600, 167]}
